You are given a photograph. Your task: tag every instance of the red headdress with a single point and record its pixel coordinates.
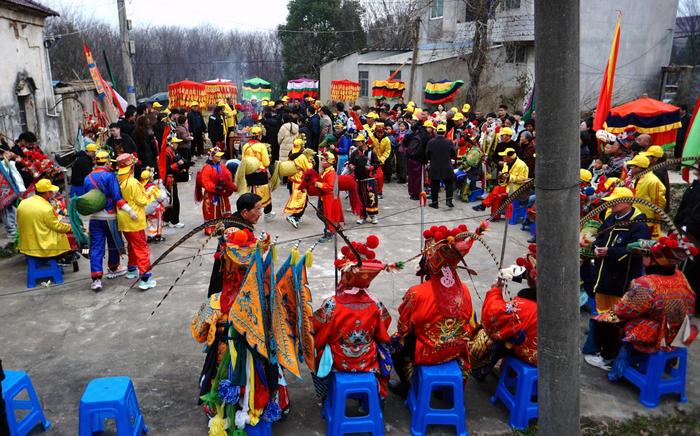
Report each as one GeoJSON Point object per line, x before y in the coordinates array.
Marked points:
{"type": "Point", "coordinates": [446, 247]}
{"type": "Point", "coordinates": [359, 272]}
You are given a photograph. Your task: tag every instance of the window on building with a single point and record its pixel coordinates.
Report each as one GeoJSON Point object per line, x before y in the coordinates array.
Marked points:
{"type": "Point", "coordinates": [516, 54]}
{"type": "Point", "coordinates": [511, 4]}
{"type": "Point", "coordinates": [364, 83]}
{"type": "Point", "coordinates": [397, 76]}
{"type": "Point", "coordinates": [23, 103]}
{"type": "Point", "coordinates": [436, 9]}
{"type": "Point", "coordinates": [473, 12]}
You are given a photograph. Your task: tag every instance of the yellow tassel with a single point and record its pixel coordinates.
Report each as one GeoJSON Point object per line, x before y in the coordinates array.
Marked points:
{"type": "Point", "coordinates": [274, 253]}
{"type": "Point", "coordinates": [309, 258]}
{"type": "Point", "coordinates": [294, 256]}
{"type": "Point", "coordinates": [217, 426]}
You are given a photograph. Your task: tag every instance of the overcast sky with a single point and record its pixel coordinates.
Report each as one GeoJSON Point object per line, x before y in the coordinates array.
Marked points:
{"type": "Point", "coordinates": [226, 14]}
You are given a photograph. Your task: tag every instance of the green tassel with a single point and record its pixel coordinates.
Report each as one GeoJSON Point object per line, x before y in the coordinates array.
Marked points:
{"type": "Point", "coordinates": [400, 264]}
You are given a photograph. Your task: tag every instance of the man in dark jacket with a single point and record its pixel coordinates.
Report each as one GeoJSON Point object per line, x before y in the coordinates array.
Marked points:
{"type": "Point", "coordinates": [217, 134]}
{"type": "Point", "coordinates": [118, 143]}
{"type": "Point", "coordinates": [272, 124]}
{"type": "Point", "coordinates": [440, 153]}
{"type": "Point", "coordinates": [128, 123]}
{"type": "Point", "coordinates": [615, 268]}
{"type": "Point", "coordinates": [688, 218]}
{"type": "Point", "coordinates": [314, 124]}
{"type": "Point", "coordinates": [197, 127]}
{"type": "Point", "coordinates": [416, 144]}
{"type": "Point", "coordinates": [82, 166]}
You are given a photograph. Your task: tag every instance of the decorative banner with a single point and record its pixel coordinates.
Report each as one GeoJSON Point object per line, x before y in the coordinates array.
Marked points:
{"type": "Point", "coordinates": [219, 89]}
{"type": "Point", "coordinates": [181, 94]}
{"type": "Point", "coordinates": [646, 115]}
{"type": "Point", "coordinates": [344, 90]}
{"type": "Point", "coordinates": [692, 140]}
{"type": "Point", "coordinates": [256, 87]}
{"type": "Point", "coordinates": [387, 88]}
{"type": "Point", "coordinates": [246, 314]}
{"type": "Point", "coordinates": [297, 88]}
{"type": "Point", "coordinates": [441, 92]}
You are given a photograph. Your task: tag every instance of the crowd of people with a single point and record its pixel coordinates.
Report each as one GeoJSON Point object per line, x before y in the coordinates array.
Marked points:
{"type": "Point", "coordinates": [642, 282]}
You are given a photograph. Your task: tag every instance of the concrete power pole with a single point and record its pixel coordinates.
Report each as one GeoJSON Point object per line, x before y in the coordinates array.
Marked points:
{"type": "Point", "coordinates": [126, 53]}
{"type": "Point", "coordinates": [557, 188]}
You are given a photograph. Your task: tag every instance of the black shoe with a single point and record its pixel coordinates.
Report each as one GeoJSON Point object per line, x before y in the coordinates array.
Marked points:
{"type": "Point", "coordinates": [450, 203]}
{"type": "Point", "coordinates": [479, 208]}
{"type": "Point", "coordinates": [399, 388]}
{"type": "Point", "coordinates": [532, 241]}
{"type": "Point", "coordinates": [414, 197]}
{"type": "Point", "coordinates": [433, 205]}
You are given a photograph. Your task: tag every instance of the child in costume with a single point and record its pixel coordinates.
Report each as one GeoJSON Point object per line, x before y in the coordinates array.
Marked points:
{"type": "Point", "coordinates": [154, 210]}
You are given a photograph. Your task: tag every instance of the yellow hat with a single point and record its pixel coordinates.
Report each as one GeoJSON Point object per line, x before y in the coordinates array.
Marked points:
{"type": "Point", "coordinates": [221, 103]}
{"type": "Point", "coordinates": [505, 131]}
{"type": "Point", "coordinates": [372, 115]}
{"type": "Point", "coordinates": [329, 157]}
{"type": "Point", "coordinates": [454, 109]}
{"type": "Point", "coordinates": [458, 116]}
{"type": "Point", "coordinates": [410, 109]}
{"type": "Point", "coordinates": [611, 181]}
{"type": "Point", "coordinates": [429, 123]}
{"type": "Point", "coordinates": [45, 185]}
{"type": "Point", "coordinates": [101, 156]}
{"type": "Point", "coordinates": [299, 142]}
{"type": "Point", "coordinates": [175, 140]}
{"type": "Point", "coordinates": [466, 107]}
{"type": "Point", "coordinates": [638, 161]}
{"type": "Point", "coordinates": [194, 103]}
{"type": "Point", "coordinates": [411, 103]}
{"type": "Point", "coordinates": [285, 98]}
{"type": "Point", "coordinates": [620, 192]}
{"type": "Point", "coordinates": [359, 138]}
{"type": "Point", "coordinates": [145, 175]}
{"type": "Point", "coordinates": [441, 128]}
{"type": "Point", "coordinates": [256, 130]}
{"type": "Point", "coordinates": [157, 105]}
{"type": "Point", "coordinates": [507, 152]}
{"type": "Point", "coordinates": [654, 151]}
{"type": "Point", "coordinates": [166, 111]}
{"type": "Point", "coordinates": [91, 147]}
{"type": "Point", "coordinates": [585, 175]}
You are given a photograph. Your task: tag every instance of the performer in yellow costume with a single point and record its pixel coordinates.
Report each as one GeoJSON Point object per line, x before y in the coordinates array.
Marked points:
{"type": "Point", "coordinates": [258, 180]}
{"type": "Point", "coordinates": [303, 160]}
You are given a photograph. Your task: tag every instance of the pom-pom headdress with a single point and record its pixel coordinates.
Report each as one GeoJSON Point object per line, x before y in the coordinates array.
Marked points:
{"type": "Point", "coordinates": [241, 245]}
{"type": "Point", "coordinates": [446, 247]}
{"type": "Point", "coordinates": [529, 262]}
{"type": "Point", "coordinates": [359, 264]}
{"type": "Point", "coordinates": [667, 251]}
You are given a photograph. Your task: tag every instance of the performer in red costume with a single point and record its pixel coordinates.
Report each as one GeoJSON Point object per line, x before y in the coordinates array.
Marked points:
{"type": "Point", "coordinates": [217, 186]}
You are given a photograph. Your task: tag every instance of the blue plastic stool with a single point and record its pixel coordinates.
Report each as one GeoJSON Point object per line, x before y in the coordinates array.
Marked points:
{"type": "Point", "coordinates": [522, 377]}
{"type": "Point", "coordinates": [356, 384]}
{"type": "Point", "coordinates": [648, 372]}
{"type": "Point", "coordinates": [475, 194]}
{"type": "Point", "coordinates": [446, 378]}
{"type": "Point", "coordinates": [533, 229]}
{"type": "Point", "coordinates": [15, 382]}
{"type": "Point", "coordinates": [111, 397]}
{"type": "Point", "coordinates": [40, 268]}
{"type": "Point", "coordinates": [519, 212]}
{"type": "Point", "coordinates": [263, 428]}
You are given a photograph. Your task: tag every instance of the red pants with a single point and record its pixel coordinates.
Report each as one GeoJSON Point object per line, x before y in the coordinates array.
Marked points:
{"type": "Point", "coordinates": [137, 247]}
{"type": "Point", "coordinates": [380, 180]}
{"type": "Point", "coordinates": [495, 197]}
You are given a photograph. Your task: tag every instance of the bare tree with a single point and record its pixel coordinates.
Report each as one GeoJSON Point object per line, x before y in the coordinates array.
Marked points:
{"type": "Point", "coordinates": [388, 23]}
{"type": "Point", "coordinates": [481, 11]}
{"type": "Point", "coordinates": [687, 46]}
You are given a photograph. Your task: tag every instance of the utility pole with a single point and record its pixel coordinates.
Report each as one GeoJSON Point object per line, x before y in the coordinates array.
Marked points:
{"type": "Point", "coordinates": [126, 53]}
{"type": "Point", "coordinates": [557, 188]}
{"type": "Point", "coordinates": [414, 58]}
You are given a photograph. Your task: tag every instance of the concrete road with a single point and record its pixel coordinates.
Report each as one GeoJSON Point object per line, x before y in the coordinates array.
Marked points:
{"type": "Point", "coordinates": [65, 335]}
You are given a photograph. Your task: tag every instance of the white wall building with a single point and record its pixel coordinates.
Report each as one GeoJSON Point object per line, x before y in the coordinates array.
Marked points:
{"type": "Point", "coordinates": [26, 93]}
{"type": "Point", "coordinates": [445, 39]}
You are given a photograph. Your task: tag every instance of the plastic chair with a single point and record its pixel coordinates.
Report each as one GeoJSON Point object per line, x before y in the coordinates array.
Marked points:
{"type": "Point", "coordinates": [14, 384]}
{"type": "Point", "coordinates": [517, 385]}
{"type": "Point", "coordinates": [43, 268]}
{"type": "Point", "coordinates": [651, 373]}
{"type": "Point", "coordinates": [519, 212]}
{"type": "Point", "coordinates": [447, 379]}
{"type": "Point", "coordinates": [361, 385]}
{"type": "Point", "coordinates": [475, 195]}
{"type": "Point", "coordinates": [111, 397]}
{"type": "Point", "coordinates": [263, 428]}
{"type": "Point", "coordinates": [533, 229]}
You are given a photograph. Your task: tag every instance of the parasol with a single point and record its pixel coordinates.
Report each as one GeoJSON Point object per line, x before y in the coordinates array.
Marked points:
{"type": "Point", "coordinates": [344, 90]}
{"type": "Point", "coordinates": [180, 94]}
{"type": "Point", "coordinates": [297, 88]}
{"type": "Point", "coordinates": [219, 89]}
{"type": "Point", "coordinates": [256, 87]}
{"type": "Point", "coordinates": [441, 92]}
{"type": "Point", "coordinates": [646, 115]}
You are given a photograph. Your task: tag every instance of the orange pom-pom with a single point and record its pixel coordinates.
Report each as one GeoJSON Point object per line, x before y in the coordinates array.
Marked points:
{"type": "Point", "coordinates": [239, 237]}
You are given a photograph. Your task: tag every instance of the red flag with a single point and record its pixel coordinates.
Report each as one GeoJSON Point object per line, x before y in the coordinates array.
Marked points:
{"type": "Point", "coordinates": [162, 152]}
{"type": "Point", "coordinates": [606, 86]}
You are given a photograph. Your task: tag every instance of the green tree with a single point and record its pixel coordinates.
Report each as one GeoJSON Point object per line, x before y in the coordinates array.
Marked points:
{"type": "Point", "coordinates": [318, 31]}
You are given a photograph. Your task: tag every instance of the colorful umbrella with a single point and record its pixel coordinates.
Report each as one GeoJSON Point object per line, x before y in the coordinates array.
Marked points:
{"type": "Point", "coordinates": [344, 90]}
{"type": "Point", "coordinates": [646, 115]}
{"type": "Point", "coordinates": [387, 88]}
{"type": "Point", "coordinates": [441, 92]}
{"type": "Point", "coordinates": [181, 94]}
{"type": "Point", "coordinates": [220, 89]}
{"type": "Point", "coordinates": [297, 88]}
{"type": "Point", "coordinates": [256, 87]}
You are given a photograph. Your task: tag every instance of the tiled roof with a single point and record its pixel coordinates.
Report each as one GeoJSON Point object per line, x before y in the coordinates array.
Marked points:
{"type": "Point", "coordinates": [30, 5]}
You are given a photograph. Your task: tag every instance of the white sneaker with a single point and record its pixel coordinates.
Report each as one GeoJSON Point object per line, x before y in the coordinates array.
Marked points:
{"type": "Point", "coordinates": [270, 216]}
{"type": "Point", "coordinates": [178, 225]}
{"type": "Point", "coordinates": [360, 221]}
{"type": "Point", "coordinates": [291, 220]}
{"type": "Point", "coordinates": [132, 274]}
{"type": "Point", "coordinates": [598, 361]}
{"type": "Point", "coordinates": [118, 273]}
{"type": "Point", "coordinates": [150, 283]}
{"type": "Point", "coordinates": [96, 285]}
{"type": "Point", "coordinates": [374, 220]}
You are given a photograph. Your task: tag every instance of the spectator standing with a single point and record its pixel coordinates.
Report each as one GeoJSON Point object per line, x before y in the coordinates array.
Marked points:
{"type": "Point", "coordinates": [195, 122]}
{"type": "Point", "coordinates": [441, 153]}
